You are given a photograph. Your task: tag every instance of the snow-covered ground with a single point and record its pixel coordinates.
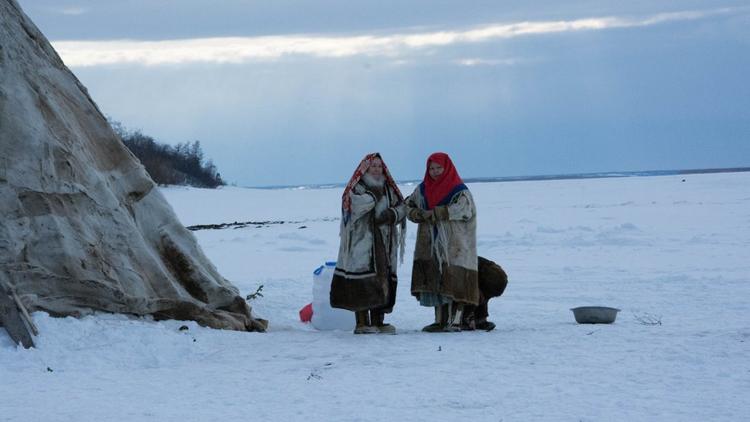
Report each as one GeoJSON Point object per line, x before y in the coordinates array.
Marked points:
{"type": "Point", "coordinates": [652, 246]}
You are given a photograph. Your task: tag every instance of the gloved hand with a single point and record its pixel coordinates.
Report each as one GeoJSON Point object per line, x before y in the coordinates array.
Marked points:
{"type": "Point", "coordinates": [386, 217]}
{"type": "Point", "coordinates": [420, 216]}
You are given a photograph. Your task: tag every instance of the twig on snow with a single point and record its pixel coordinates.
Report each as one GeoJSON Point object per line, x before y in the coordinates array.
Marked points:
{"type": "Point", "coordinates": [645, 318]}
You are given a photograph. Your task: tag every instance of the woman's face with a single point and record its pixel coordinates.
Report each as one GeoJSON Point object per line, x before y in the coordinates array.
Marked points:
{"type": "Point", "coordinates": [376, 168]}
{"type": "Point", "coordinates": [435, 170]}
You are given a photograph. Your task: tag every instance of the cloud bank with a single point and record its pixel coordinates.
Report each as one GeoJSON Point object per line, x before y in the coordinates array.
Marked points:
{"type": "Point", "coordinates": [270, 48]}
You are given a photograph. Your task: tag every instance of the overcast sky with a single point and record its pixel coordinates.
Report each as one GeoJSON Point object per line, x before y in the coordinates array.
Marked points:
{"type": "Point", "coordinates": [296, 92]}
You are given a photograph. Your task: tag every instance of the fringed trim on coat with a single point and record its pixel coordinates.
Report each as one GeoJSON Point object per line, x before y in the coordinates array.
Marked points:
{"type": "Point", "coordinates": [401, 241]}
{"type": "Point", "coordinates": [440, 244]}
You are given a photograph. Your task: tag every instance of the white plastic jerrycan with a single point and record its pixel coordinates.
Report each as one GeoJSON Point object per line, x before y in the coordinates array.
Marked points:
{"type": "Point", "coordinates": [324, 317]}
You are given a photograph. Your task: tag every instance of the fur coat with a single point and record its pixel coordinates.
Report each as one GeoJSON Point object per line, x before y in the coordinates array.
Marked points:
{"type": "Point", "coordinates": [445, 257]}
{"type": "Point", "coordinates": [365, 276]}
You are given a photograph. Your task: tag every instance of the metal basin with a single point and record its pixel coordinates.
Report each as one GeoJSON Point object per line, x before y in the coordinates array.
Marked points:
{"type": "Point", "coordinates": [595, 314]}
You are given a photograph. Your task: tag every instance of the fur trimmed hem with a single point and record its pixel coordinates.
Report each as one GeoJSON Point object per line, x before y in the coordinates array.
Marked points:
{"type": "Point", "coordinates": [458, 283]}
{"type": "Point", "coordinates": [363, 294]}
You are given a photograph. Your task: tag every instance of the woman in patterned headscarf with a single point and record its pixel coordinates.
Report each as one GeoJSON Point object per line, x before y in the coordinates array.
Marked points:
{"type": "Point", "coordinates": [373, 228]}
{"type": "Point", "coordinates": [444, 274]}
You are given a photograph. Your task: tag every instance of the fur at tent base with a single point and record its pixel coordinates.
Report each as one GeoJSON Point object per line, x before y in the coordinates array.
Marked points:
{"type": "Point", "coordinates": [15, 318]}
{"type": "Point", "coordinates": [14, 312]}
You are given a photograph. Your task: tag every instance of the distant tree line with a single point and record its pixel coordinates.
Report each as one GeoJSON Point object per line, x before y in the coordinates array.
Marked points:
{"type": "Point", "coordinates": [182, 164]}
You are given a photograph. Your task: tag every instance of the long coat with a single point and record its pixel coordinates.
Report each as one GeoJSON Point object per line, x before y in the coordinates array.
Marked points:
{"type": "Point", "coordinates": [365, 276]}
{"type": "Point", "coordinates": [445, 257]}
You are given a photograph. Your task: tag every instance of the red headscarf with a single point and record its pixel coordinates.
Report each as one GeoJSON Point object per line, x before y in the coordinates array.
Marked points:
{"type": "Point", "coordinates": [346, 199]}
{"type": "Point", "coordinates": [436, 191]}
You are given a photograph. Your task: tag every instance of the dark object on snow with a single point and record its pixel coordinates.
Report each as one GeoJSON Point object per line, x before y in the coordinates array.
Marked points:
{"type": "Point", "coordinates": [236, 225]}
{"type": "Point", "coordinates": [595, 314]}
{"type": "Point", "coordinates": [184, 328]}
{"type": "Point", "coordinates": [492, 279]}
{"type": "Point", "coordinates": [492, 283]}
{"type": "Point", "coordinates": [256, 295]}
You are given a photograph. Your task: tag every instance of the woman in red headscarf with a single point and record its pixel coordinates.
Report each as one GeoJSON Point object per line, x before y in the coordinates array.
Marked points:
{"type": "Point", "coordinates": [444, 274]}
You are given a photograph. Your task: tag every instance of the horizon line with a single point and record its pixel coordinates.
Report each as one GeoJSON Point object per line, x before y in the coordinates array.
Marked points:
{"type": "Point", "coordinates": [536, 177]}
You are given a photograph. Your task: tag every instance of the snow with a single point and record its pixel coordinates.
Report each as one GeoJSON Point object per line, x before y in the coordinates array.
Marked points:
{"type": "Point", "coordinates": [651, 246]}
